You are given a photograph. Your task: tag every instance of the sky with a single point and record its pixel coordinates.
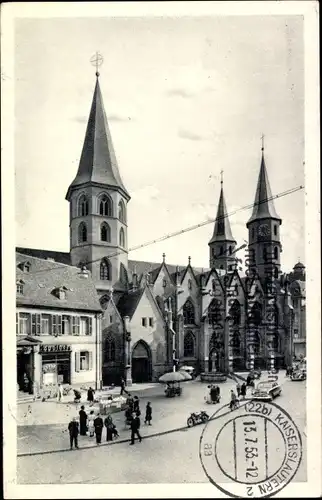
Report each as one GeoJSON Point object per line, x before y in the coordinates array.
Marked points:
{"type": "Point", "coordinates": [185, 98]}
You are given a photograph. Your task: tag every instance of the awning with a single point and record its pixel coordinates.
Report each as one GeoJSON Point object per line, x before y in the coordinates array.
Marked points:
{"type": "Point", "coordinates": [28, 341]}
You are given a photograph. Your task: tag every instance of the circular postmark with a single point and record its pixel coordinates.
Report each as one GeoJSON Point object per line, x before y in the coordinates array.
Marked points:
{"type": "Point", "coordinates": [253, 451]}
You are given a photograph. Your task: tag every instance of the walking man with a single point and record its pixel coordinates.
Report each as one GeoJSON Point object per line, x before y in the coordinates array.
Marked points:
{"type": "Point", "coordinates": [148, 413]}
{"type": "Point", "coordinates": [123, 387]}
{"type": "Point", "coordinates": [135, 426]}
{"type": "Point", "coordinates": [73, 433]}
{"type": "Point", "coordinates": [98, 426]}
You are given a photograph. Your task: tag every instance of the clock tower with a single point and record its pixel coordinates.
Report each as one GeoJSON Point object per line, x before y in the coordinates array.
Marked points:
{"type": "Point", "coordinates": [264, 230]}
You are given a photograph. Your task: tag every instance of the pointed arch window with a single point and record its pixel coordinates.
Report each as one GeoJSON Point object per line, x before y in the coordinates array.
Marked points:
{"type": "Point", "coordinates": [122, 214]}
{"type": "Point", "coordinates": [235, 313]}
{"type": "Point", "coordinates": [105, 205]}
{"type": "Point", "coordinates": [105, 270]}
{"type": "Point", "coordinates": [123, 274]}
{"type": "Point", "coordinates": [105, 232]}
{"type": "Point", "coordinates": [215, 313]}
{"type": "Point", "coordinates": [256, 343]}
{"type": "Point", "coordinates": [189, 345]}
{"type": "Point", "coordinates": [276, 272]}
{"type": "Point", "coordinates": [82, 206]}
{"type": "Point", "coordinates": [110, 349]}
{"type": "Point", "coordinates": [189, 313]}
{"type": "Point", "coordinates": [221, 250]}
{"type": "Point", "coordinates": [275, 230]}
{"type": "Point", "coordinates": [256, 314]}
{"type": "Point", "coordinates": [122, 238]}
{"type": "Point", "coordinates": [82, 233]}
{"type": "Point", "coordinates": [275, 253]}
{"type": "Point", "coordinates": [230, 249]}
{"type": "Point", "coordinates": [104, 301]}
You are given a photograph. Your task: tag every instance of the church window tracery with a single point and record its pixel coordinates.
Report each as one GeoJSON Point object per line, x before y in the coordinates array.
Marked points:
{"type": "Point", "coordinates": [189, 313]}
{"type": "Point", "coordinates": [105, 205]}
{"type": "Point", "coordinates": [110, 349]}
{"type": "Point", "coordinates": [82, 206]}
{"type": "Point", "coordinates": [82, 233]}
{"type": "Point", "coordinates": [189, 345]}
{"type": "Point", "coordinates": [105, 270]}
{"type": "Point", "coordinates": [105, 232]}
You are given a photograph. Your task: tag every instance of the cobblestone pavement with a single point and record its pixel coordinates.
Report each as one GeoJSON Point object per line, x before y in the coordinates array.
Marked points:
{"type": "Point", "coordinates": [171, 457]}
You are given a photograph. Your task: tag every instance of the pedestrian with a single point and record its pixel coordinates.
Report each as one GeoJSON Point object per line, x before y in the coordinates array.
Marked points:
{"type": "Point", "coordinates": [98, 426]}
{"type": "Point", "coordinates": [91, 418]}
{"type": "Point", "coordinates": [148, 413]}
{"type": "Point", "coordinates": [135, 426]}
{"type": "Point", "coordinates": [243, 390]}
{"type": "Point", "coordinates": [77, 396]}
{"type": "Point", "coordinates": [82, 421]}
{"type": "Point", "coordinates": [129, 402]}
{"type": "Point", "coordinates": [90, 396]}
{"type": "Point", "coordinates": [60, 393]}
{"type": "Point", "coordinates": [73, 433]}
{"type": "Point", "coordinates": [108, 422]}
{"type": "Point", "coordinates": [136, 404]}
{"type": "Point", "coordinates": [238, 389]}
{"type": "Point", "coordinates": [123, 387]}
{"type": "Point", "coordinates": [233, 400]}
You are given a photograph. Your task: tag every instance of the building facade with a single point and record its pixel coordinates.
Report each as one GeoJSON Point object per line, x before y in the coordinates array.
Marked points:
{"type": "Point", "coordinates": [58, 326]}
{"type": "Point", "coordinates": [157, 315]}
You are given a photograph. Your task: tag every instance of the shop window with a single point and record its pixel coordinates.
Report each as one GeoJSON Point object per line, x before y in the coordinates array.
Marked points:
{"type": "Point", "coordinates": [45, 324]}
{"type": "Point", "coordinates": [75, 325]}
{"type": "Point", "coordinates": [83, 361]}
{"type": "Point", "coordinates": [144, 321]}
{"type": "Point", "coordinates": [36, 324]}
{"type": "Point", "coordinates": [66, 325]}
{"type": "Point", "coordinates": [24, 324]}
{"type": "Point", "coordinates": [150, 321]}
{"type": "Point", "coordinates": [85, 326]}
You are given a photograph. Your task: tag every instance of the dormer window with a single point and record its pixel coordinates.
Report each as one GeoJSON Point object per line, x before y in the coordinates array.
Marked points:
{"type": "Point", "coordinates": [19, 287]}
{"type": "Point", "coordinates": [60, 293]}
{"type": "Point", "coordinates": [25, 266]}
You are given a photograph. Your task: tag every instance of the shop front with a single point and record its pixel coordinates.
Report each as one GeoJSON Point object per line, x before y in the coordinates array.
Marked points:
{"type": "Point", "coordinates": [26, 351]}
{"type": "Point", "coordinates": [55, 364]}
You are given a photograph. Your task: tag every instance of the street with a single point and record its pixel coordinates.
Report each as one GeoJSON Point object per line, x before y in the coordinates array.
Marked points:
{"type": "Point", "coordinates": [172, 457]}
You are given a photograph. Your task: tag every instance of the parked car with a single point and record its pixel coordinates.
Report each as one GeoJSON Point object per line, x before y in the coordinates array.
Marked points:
{"type": "Point", "coordinates": [266, 391]}
{"type": "Point", "coordinates": [298, 375]}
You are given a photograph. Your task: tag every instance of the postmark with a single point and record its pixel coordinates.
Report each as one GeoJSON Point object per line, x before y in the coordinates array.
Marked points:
{"type": "Point", "coordinates": [254, 451]}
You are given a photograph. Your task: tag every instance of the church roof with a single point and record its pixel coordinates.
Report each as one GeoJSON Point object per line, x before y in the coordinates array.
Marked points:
{"type": "Point", "coordinates": [98, 162]}
{"type": "Point", "coordinates": [128, 303]}
{"type": "Point", "coordinates": [222, 229]}
{"type": "Point", "coordinates": [263, 205]}
{"type": "Point", "coordinates": [44, 277]}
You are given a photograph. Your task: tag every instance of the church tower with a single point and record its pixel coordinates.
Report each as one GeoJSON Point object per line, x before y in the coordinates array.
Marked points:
{"type": "Point", "coordinates": [264, 230]}
{"type": "Point", "coordinates": [222, 243]}
{"type": "Point", "coordinates": [98, 206]}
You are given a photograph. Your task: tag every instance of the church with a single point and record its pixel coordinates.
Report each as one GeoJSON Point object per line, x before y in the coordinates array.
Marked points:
{"type": "Point", "coordinates": [153, 315]}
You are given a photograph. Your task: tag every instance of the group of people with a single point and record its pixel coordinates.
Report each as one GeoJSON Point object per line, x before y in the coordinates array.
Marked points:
{"type": "Point", "coordinates": [214, 394]}
{"type": "Point", "coordinates": [132, 416]}
{"type": "Point", "coordinates": [91, 424]}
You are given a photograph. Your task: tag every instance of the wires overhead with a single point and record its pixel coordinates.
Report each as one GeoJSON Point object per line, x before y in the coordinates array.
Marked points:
{"type": "Point", "coordinates": [181, 231]}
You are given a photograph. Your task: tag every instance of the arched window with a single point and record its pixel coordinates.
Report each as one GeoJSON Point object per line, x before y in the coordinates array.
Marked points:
{"type": "Point", "coordinates": [189, 313]}
{"type": "Point", "coordinates": [256, 343]}
{"type": "Point", "coordinates": [189, 345]}
{"type": "Point", "coordinates": [235, 313]}
{"type": "Point", "coordinates": [105, 270]}
{"type": "Point", "coordinates": [105, 206]}
{"type": "Point", "coordinates": [82, 206]}
{"type": "Point", "coordinates": [275, 229]}
{"type": "Point", "coordinates": [215, 313]}
{"type": "Point", "coordinates": [275, 253]}
{"type": "Point", "coordinates": [110, 348]}
{"type": "Point", "coordinates": [256, 314]}
{"type": "Point", "coordinates": [276, 272]}
{"type": "Point", "coordinates": [122, 238]}
{"type": "Point", "coordinates": [82, 232]}
{"type": "Point", "coordinates": [253, 233]}
{"type": "Point", "coordinates": [123, 274]}
{"type": "Point", "coordinates": [104, 301]}
{"type": "Point", "coordinates": [265, 254]}
{"type": "Point", "coordinates": [230, 250]}
{"type": "Point", "coordinates": [122, 215]}
{"type": "Point", "coordinates": [105, 232]}
{"type": "Point", "coordinates": [221, 250]}
{"type": "Point", "coordinates": [235, 343]}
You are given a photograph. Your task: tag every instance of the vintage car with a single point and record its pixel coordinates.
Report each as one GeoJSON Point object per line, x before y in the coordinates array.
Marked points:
{"type": "Point", "coordinates": [298, 375]}
{"type": "Point", "coordinates": [266, 391]}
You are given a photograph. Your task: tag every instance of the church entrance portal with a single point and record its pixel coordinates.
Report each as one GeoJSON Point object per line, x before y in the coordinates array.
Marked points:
{"type": "Point", "coordinates": [141, 363]}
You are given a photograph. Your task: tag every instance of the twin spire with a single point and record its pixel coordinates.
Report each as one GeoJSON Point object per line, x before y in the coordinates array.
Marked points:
{"type": "Point", "coordinates": [98, 164]}
{"type": "Point", "coordinates": [222, 229]}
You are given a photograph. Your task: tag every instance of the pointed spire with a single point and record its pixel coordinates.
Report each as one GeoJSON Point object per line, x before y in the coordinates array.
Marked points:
{"type": "Point", "coordinates": [263, 204]}
{"type": "Point", "coordinates": [222, 229]}
{"type": "Point", "coordinates": [163, 258]}
{"type": "Point", "coordinates": [98, 162]}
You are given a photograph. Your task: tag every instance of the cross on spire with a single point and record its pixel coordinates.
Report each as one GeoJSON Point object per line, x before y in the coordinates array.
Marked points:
{"type": "Point", "coordinates": [97, 61]}
{"type": "Point", "coordinates": [221, 177]}
{"type": "Point", "coordinates": [262, 139]}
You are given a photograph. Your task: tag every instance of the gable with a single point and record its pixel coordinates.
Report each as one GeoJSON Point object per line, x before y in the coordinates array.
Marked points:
{"type": "Point", "coordinates": [146, 308]}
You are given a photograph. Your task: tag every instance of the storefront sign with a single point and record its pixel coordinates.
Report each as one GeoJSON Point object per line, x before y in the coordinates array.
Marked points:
{"type": "Point", "coordinates": [55, 348]}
